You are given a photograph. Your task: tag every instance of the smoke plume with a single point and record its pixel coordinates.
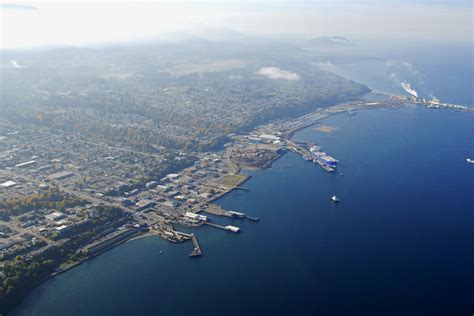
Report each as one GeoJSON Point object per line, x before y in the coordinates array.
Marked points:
{"type": "Point", "coordinates": [15, 64]}
{"type": "Point", "coordinates": [408, 72]}
{"type": "Point", "coordinates": [407, 87]}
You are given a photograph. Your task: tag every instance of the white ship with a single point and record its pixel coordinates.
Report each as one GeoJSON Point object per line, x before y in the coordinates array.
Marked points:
{"type": "Point", "coordinates": [323, 159]}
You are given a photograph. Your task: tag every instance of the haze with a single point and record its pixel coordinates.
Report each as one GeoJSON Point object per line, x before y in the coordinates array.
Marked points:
{"type": "Point", "coordinates": [35, 23]}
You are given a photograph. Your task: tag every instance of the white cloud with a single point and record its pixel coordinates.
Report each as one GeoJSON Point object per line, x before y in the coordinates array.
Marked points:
{"type": "Point", "coordinates": [277, 73]}
{"type": "Point", "coordinates": [323, 65]}
{"type": "Point", "coordinates": [116, 76]}
{"type": "Point", "coordinates": [235, 77]}
{"type": "Point", "coordinates": [15, 64]}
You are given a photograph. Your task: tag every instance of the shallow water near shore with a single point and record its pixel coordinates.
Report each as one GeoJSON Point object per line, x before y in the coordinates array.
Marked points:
{"type": "Point", "coordinates": [399, 242]}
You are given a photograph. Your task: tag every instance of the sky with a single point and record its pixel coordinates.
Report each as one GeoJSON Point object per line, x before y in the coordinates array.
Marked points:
{"type": "Point", "coordinates": [36, 23]}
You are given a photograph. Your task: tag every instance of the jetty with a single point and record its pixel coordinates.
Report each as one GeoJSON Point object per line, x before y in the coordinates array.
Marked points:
{"type": "Point", "coordinates": [197, 249]}
{"type": "Point", "coordinates": [255, 219]}
{"type": "Point", "coordinates": [297, 148]}
{"type": "Point", "coordinates": [228, 228]}
{"type": "Point", "coordinates": [197, 252]}
{"type": "Point", "coordinates": [307, 155]}
{"type": "Point", "coordinates": [236, 214]}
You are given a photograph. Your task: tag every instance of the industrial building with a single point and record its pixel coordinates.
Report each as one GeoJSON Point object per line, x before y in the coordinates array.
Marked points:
{"type": "Point", "coordinates": [195, 217]}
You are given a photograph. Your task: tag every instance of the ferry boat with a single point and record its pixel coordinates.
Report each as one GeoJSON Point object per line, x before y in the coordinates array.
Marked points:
{"type": "Point", "coordinates": [323, 158]}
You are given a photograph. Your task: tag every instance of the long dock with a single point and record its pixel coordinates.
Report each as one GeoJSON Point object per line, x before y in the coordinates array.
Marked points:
{"type": "Point", "coordinates": [197, 249]}
{"type": "Point", "coordinates": [255, 219]}
{"type": "Point", "coordinates": [297, 148]}
{"type": "Point", "coordinates": [228, 228]}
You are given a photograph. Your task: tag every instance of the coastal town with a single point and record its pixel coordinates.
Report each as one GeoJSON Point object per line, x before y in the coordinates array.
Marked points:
{"type": "Point", "coordinates": [140, 144]}
{"type": "Point", "coordinates": [236, 158]}
{"type": "Point", "coordinates": [66, 197]}
{"type": "Point", "coordinates": [51, 199]}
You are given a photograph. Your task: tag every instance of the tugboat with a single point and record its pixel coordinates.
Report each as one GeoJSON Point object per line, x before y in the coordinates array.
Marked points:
{"type": "Point", "coordinates": [335, 199]}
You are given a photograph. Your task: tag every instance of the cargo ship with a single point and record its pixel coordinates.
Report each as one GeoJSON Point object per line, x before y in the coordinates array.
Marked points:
{"type": "Point", "coordinates": [323, 159]}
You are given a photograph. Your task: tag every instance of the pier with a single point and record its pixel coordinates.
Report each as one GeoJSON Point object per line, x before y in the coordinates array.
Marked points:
{"type": "Point", "coordinates": [228, 228]}
{"type": "Point", "coordinates": [219, 211]}
{"type": "Point", "coordinates": [297, 148]}
{"type": "Point", "coordinates": [216, 210]}
{"type": "Point", "coordinates": [236, 214]}
{"type": "Point", "coordinates": [303, 151]}
{"type": "Point", "coordinates": [255, 219]}
{"type": "Point", "coordinates": [197, 249]}
{"type": "Point", "coordinates": [302, 144]}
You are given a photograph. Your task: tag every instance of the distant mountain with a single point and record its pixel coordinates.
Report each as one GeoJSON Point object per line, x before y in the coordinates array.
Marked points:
{"type": "Point", "coordinates": [332, 41]}
{"type": "Point", "coordinates": [204, 34]}
{"type": "Point", "coordinates": [11, 6]}
{"type": "Point", "coordinates": [219, 34]}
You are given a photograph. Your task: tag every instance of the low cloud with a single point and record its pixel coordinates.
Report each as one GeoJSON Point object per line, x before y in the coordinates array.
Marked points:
{"type": "Point", "coordinates": [11, 6]}
{"type": "Point", "coordinates": [235, 77]}
{"type": "Point", "coordinates": [277, 74]}
{"type": "Point", "coordinates": [323, 65]}
{"type": "Point", "coordinates": [116, 76]}
{"type": "Point", "coordinates": [15, 64]}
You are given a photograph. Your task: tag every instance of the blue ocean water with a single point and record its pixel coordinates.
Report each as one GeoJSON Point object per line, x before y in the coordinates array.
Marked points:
{"type": "Point", "coordinates": [435, 69]}
{"type": "Point", "coordinates": [400, 242]}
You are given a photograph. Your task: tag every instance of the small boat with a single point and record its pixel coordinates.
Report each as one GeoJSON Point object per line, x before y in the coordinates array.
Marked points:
{"type": "Point", "coordinates": [335, 199]}
{"type": "Point", "coordinates": [470, 160]}
{"type": "Point", "coordinates": [161, 252]}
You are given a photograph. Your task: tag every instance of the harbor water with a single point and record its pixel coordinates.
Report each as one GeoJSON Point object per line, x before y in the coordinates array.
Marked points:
{"type": "Point", "coordinates": [399, 242]}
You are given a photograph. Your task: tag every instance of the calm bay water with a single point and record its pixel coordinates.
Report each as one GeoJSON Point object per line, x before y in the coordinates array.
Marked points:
{"type": "Point", "coordinates": [437, 69]}
{"type": "Point", "coordinates": [399, 243]}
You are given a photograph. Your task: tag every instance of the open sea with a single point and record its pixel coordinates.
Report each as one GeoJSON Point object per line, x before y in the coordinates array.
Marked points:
{"type": "Point", "coordinates": [400, 242]}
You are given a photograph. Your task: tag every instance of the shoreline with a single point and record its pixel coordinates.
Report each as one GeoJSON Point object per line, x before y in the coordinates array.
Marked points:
{"type": "Point", "coordinates": [141, 235]}
{"type": "Point", "coordinates": [235, 187]}
{"type": "Point", "coordinates": [68, 268]}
